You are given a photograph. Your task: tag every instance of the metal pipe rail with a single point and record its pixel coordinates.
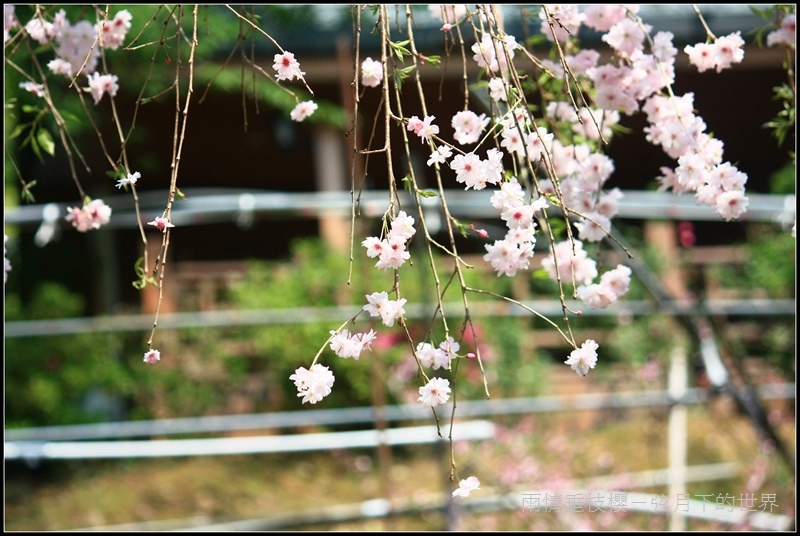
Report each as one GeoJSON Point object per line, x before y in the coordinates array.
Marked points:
{"type": "Point", "coordinates": [299, 315]}
{"type": "Point", "coordinates": [367, 415]}
{"type": "Point", "coordinates": [210, 205]}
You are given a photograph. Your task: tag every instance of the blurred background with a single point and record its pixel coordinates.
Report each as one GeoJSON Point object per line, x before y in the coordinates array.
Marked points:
{"type": "Point", "coordinates": [257, 276]}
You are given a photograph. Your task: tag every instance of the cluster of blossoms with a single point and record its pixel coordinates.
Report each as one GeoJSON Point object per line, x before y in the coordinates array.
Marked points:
{"type": "Point", "coordinates": [515, 250]}
{"type": "Point", "coordinates": [720, 54]}
{"type": "Point", "coordinates": [346, 345]}
{"type": "Point", "coordinates": [391, 251]}
{"type": "Point", "coordinates": [675, 127]}
{"type": "Point", "coordinates": [424, 128]}
{"type": "Point", "coordinates": [288, 68]}
{"type": "Point", "coordinates": [78, 46]}
{"type": "Point", "coordinates": [583, 358]}
{"type": "Point", "coordinates": [440, 357]}
{"type": "Point", "coordinates": [93, 215]}
{"type": "Point", "coordinates": [379, 305]}
{"type": "Point", "coordinates": [313, 384]}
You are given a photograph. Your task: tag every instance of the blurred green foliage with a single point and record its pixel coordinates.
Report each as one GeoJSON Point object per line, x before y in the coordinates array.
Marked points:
{"type": "Point", "coordinates": [51, 380]}
{"type": "Point", "coordinates": [210, 370]}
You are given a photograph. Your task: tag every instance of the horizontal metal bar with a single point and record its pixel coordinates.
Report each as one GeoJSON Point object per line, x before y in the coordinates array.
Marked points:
{"type": "Point", "coordinates": [362, 415]}
{"type": "Point", "coordinates": [272, 444]}
{"type": "Point", "coordinates": [209, 205]}
{"type": "Point", "coordinates": [301, 315]}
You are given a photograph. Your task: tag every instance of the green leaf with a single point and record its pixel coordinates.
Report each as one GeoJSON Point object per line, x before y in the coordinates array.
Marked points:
{"type": "Point", "coordinates": [541, 273]}
{"type": "Point", "coordinates": [427, 193]}
{"type": "Point", "coordinates": [35, 148]}
{"type": "Point", "coordinates": [30, 109]}
{"type": "Point", "coordinates": [19, 129]}
{"type": "Point", "coordinates": [27, 195]}
{"type": "Point", "coordinates": [433, 60]}
{"type": "Point", "coordinates": [45, 140]}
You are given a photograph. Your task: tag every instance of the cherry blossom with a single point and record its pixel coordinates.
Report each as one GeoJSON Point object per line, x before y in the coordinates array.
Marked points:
{"type": "Point", "coordinates": [9, 21]}
{"type": "Point", "coordinates": [129, 180]}
{"type": "Point", "coordinates": [428, 129]}
{"type": "Point", "coordinates": [466, 486]}
{"type": "Point", "coordinates": [287, 67]}
{"type": "Point", "coordinates": [60, 66]}
{"type": "Point", "coordinates": [313, 384]}
{"type": "Point", "coordinates": [303, 110]}
{"type": "Point", "coordinates": [99, 85]}
{"type": "Point", "coordinates": [468, 126]}
{"type": "Point", "coordinates": [448, 13]}
{"type": "Point", "coordinates": [160, 223]}
{"type": "Point", "coordinates": [371, 73]}
{"type": "Point", "coordinates": [6, 262]}
{"type": "Point", "coordinates": [380, 305]}
{"type": "Point", "coordinates": [36, 89]}
{"type": "Point", "coordinates": [497, 89]}
{"type": "Point", "coordinates": [113, 31]}
{"type": "Point", "coordinates": [435, 392]}
{"type": "Point", "coordinates": [731, 205]}
{"type": "Point", "coordinates": [583, 358]}
{"type": "Point", "coordinates": [76, 44]}
{"type": "Point", "coordinates": [92, 215]}
{"type": "Point", "coordinates": [152, 357]}
{"type": "Point", "coordinates": [440, 155]}
{"type": "Point", "coordinates": [786, 34]}
{"type": "Point", "coordinates": [569, 263]}
{"type": "Point", "coordinates": [346, 345]}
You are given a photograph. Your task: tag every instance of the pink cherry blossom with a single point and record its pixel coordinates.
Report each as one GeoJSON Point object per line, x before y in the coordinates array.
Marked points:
{"type": "Point", "coordinates": [76, 44]}
{"type": "Point", "coordinates": [371, 73]}
{"type": "Point", "coordinates": [448, 13]}
{"type": "Point", "coordinates": [497, 90]}
{"type": "Point", "coordinates": [313, 384]}
{"type": "Point", "coordinates": [113, 31]}
{"type": "Point", "coordinates": [99, 85]}
{"type": "Point", "coordinates": [152, 357]}
{"type": "Point", "coordinates": [583, 358]}
{"type": "Point", "coordinates": [468, 126]}
{"type": "Point", "coordinates": [728, 50]}
{"type": "Point", "coordinates": [466, 486]}
{"type": "Point", "coordinates": [602, 17]}
{"type": "Point", "coordinates": [287, 67]}
{"type": "Point", "coordinates": [596, 296]}
{"type": "Point", "coordinates": [160, 223]}
{"type": "Point", "coordinates": [303, 110]}
{"type": "Point", "coordinates": [380, 305]}
{"type": "Point", "coordinates": [731, 205]}
{"type": "Point", "coordinates": [435, 392]}
{"type": "Point", "coordinates": [593, 228]}
{"type": "Point", "coordinates": [92, 215]}
{"type": "Point", "coordinates": [584, 268]}
{"type": "Point", "coordinates": [36, 89]}
{"type": "Point", "coordinates": [786, 34]}
{"type": "Point", "coordinates": [468, 168]}
{"type": "Point", "coordinates": [6, 262]}
{"type": "Point", "coordinates": [60, 66]}
{"type": "Point", "coordinates": [129, 180]}
{"type": "Point", "coordinates": [440, 155]}
{"type": "Point", "coordinates": [702, 56]}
